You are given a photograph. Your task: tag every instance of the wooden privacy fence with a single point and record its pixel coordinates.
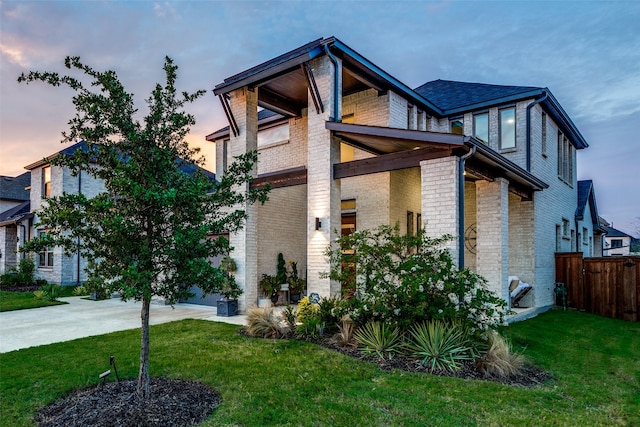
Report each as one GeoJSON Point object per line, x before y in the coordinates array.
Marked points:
{"type": "Point", "coordinates": [606, 286]}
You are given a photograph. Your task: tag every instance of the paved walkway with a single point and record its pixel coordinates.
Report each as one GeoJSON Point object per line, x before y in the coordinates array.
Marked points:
{"type": "Point", "coordinates": [84, 318]}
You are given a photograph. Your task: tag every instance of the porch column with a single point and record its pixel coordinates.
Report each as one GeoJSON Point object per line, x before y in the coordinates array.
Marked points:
{"type": "Point", "coordinates": [323, 192]}
{"type": "Point", "coordinates": [440, 199]}
{"type": "Point", "coordinates": [492, 250]}
{"type": "Point", "coordinates": [244, 105]}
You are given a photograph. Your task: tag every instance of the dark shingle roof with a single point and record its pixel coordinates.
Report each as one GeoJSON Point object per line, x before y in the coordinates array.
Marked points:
{"type": "Point", "coordinates": [449, 95]}
{"type": "Point", "coordinates": [13, 188]}
{"type": "Point", "coordinates": [612, 232]}
{"type": "Point", "coordinates": [16, 211]}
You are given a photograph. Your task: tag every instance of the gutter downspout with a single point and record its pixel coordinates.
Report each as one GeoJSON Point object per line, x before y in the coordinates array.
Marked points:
{"type": "Point", "coordinates": [461, 205]}
{"type": "Point", "coordinates": [335, 85]}
{"type": "Point", "coordinates": [529, 107]}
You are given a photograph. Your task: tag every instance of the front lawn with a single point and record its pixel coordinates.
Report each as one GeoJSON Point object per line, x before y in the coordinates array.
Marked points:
{"type": "Point", "coordinates": [10, 300]}
{"type": "Point", "coordinates": [279, 382]}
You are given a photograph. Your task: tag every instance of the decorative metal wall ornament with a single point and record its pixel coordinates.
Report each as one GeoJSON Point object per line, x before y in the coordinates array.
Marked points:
{"type": "Point", "coordinates": [471, 238]}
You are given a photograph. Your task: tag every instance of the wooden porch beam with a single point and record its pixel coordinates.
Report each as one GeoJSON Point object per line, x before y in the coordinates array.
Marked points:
{"type": "Point", "coordinates": [280, 179]}
{"type": "Point", "coordinates": [277, 103]}
{"type": "Point", "coordinates": [389, 162]}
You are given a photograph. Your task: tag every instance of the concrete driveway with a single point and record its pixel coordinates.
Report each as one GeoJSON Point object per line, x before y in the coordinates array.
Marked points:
{"type": "Point", "coordinates": [83, 318]}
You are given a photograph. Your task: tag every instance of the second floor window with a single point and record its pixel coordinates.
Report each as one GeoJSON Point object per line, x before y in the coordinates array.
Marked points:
{"type": "Point", "coordinates": [565, 159]}
{"type": "Point", "coordinates": [273, 135]}
{"type": "Point", "coordinates": [507, 128]}
{"type": "Point", "coordinates": [481, 127]}
{"type": "Point", "coordinates": [616, 243]}
{"type": "Point", "coordinates": [46, 182]}
{"type": "Point", "coordinates": [457, 126]}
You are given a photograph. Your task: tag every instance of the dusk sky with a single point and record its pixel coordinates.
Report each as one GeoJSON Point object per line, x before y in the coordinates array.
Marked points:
{"type": "Point", "coordinates": [586, 53]}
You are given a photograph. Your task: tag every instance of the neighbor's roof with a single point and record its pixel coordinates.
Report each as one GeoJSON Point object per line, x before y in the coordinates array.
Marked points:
{"type": "Point", "coordinates": [586, 195]}
{"type": "Point", "coordinates": [13, 188]}
{"type": "Point", "coordinates": [15, 214]}
{"type": "Point", "coordinates": [67, 151]}
{"type": "Point", "coordinates": [612, 232]}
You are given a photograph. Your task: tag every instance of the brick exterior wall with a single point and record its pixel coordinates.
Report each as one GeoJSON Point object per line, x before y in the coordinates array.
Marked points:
{"type": "Point", "coordinates": [8, 256]}
{"type": "Point", "coordinates": [439, 187]}
{"type": "Point", "coordinates": [324, 195]}
{"type": "Point", "coordinates": [470, 221]}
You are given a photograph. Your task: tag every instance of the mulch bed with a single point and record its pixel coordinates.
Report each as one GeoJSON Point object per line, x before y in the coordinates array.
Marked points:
{"type": "Point", "coordinates": [25, 288]}
{"type": "Point", "coordinates": [530, 375]}
{"type": "Point", "coordinates": [172, 403]}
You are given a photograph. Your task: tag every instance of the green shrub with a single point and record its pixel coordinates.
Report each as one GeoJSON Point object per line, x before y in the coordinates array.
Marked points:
{"type": "Point", "coordinates": [306, 310]}
{"type": "Point", "coordinates": [407, 279]}
{"type": "Point", "coordinates": [263, 322]}
{"type": "Point", "coordinates": [51, 291]}
{"type": "Point", "coordinates": [440, 345]}
{"type": "Point", "coordinates": [380, 339]}
{"type": "Point", "coordinates": [26, 268]}
{"type": "Point", "coordinates": [311, 328]}
{"type": "Point", "coordinates": [39, 294]}
{"type": "Point", "coordinates": [289, 315]}
{"type": "Point", "coordinates": [80, 291]}
{"type": "Point", "coordinates": [328, 313]}
{"type": "Point", "coordinates": [500, 360]}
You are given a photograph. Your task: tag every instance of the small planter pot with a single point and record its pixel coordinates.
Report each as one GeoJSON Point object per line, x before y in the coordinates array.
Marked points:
{"type": "Point", "coordinates": [264, 302]}
{"type": "Point", "coordinates": [227, 307]}
{"type": "Point", "coordinates": [296, 297]}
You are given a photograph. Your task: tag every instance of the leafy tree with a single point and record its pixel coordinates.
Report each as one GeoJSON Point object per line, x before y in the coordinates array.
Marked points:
{"type": "Point", "coordinates": [146, 234]}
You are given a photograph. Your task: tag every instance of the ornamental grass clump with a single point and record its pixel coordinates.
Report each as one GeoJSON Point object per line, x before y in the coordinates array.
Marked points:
{"type": "Point", "coordinates": [263, 322]}
{"type": "Point", "coordinates": [500, 360]}
{"type": "Point", "coordinates": [379, 339]}
{"type": "Point", "coordinates": [440, 345]}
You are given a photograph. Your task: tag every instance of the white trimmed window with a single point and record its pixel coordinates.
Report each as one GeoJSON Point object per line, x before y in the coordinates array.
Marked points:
{"type": "Point", "coordinates": [45, 257]}
{"type": "Point", "coordinates": [565, 159]}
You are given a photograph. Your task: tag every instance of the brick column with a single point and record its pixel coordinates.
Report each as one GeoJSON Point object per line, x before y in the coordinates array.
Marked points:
{"type": "Point", "coordinates": [440, 215]}
{"type": "Point", "coordinates": [323, 192]}
{"type": "Point", "coordinates": [492, 250]}
{"type": "Point", "coordinates": [244, 105]}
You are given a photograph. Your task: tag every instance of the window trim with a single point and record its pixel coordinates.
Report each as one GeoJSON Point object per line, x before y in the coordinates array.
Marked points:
{"type": "Point", "coordinates": [46, 184]}
{"type": "Point", "coordinates": [47, 255]}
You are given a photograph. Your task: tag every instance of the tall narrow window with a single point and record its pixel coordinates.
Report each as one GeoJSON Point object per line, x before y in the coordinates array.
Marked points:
{"type": "Point", "coordinates": [45, 257]}
{"type": "Point", "coordinates": [544, 134]}
{"type": "Point", "coordinates": [507, 125]}
{"type": "Point", "coordinates": [225, 154]}
{"type": "Point", "coordinates": [419, 222]}
{"type": "Point", "coordinates": [481, 127]}
{"type": "Point", "coordinates": [46, 182]}
{"type": "Point", "coordinates": [410, 228]}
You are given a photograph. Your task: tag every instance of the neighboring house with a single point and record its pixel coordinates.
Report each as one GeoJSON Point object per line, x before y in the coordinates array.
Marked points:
{"type": "Point", "coordinates": [590, 233]}
{"type": "Point", "coordinates": [616, 242]}
{"type": "Point", "coordinates": [48, 181]}
{"type": "Point", "coordinates": [347, 146]}
{"type": "Point", "coordinates": [14, 209]}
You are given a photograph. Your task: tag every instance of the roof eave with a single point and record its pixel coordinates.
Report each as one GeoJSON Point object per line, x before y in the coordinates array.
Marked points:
{"type": "Point", "coordinates": [494, 102]}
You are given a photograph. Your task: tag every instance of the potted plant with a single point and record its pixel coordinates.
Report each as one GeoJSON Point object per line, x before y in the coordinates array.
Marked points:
{"type": "Point", "coordinates": [228, 305]}
{"type": "Point", "coordinates": [297, 284]}
{"type": "Point", "coordinates": [270, 286]}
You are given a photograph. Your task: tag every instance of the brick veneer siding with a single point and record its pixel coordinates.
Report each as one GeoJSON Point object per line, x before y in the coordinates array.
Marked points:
{"type": "Point", "coordinates": [404, 196]}
{"type": "Point", "coordinates": [469, 221]}
{"type": "Point", "coordinates": [439, 186]}
{"type": "Point", "coordinates": [282, 222]}
{"type": "Point", "coordinates": [8, 238]}
{"type": "Point", "coordinates": [323, 192]}
{"type": "Point", "coordinates": [492, 211]}
{"type": "Point", "coordinates": [244, 105]}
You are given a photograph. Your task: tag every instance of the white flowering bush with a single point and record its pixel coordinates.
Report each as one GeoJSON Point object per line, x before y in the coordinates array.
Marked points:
{"type": "Point", "coordinates": [407, 279]}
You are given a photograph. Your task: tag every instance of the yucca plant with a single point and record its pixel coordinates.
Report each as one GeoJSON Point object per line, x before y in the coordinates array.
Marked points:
{"type": "Point", "coordinates": [263, 322]}
{"type": "Point", "coordinates": [380, 339]}
{"type": "Point", "coordinates": [346, 331]}
{"type": "Point", "coordinates": [500, 360]}
{"type": "Point", "coordinates": [440, 345]}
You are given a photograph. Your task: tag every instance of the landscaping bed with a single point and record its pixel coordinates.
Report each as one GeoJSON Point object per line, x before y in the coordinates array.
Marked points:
{"type": "Point", "coordinates": [172, 403]}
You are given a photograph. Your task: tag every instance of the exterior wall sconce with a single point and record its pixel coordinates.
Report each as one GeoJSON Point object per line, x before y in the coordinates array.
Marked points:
{"type": "Point", "coordinates": [318, 224]}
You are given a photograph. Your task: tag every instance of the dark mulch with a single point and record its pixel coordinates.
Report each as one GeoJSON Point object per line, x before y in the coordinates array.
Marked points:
{"type": "Point", "coordinates": [22, 288]}
{"type": "Point", "coordinates": [529, 376]}
{"type": "Point", "coordinates": [172, 403]}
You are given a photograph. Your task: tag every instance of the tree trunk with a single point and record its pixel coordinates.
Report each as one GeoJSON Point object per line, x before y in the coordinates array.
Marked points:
{"type": "Point", "coordinates": [144, 389]}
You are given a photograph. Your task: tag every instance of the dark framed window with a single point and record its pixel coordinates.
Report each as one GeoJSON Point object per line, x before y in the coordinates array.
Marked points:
{"type": "Point", "coordinates": [507, 124]}
{"type": "Point", "coordinates": [46, 182]}
{"type": "Point", "coordinates": [481, 127]}
{"type": "Point", "coordinates": [410, 227]}
{"type": "Point", "coordinates": [45, 257]}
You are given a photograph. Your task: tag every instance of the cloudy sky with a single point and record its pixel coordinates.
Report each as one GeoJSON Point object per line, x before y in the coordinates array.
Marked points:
{"type": "Point", "coordinates": [586, 53]}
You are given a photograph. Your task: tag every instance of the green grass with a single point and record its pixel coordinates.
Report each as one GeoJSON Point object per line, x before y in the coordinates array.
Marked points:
{"type": "Point", "coordinates": [22, 300]}
{"type": "Point", "coordinates": [288, 383]}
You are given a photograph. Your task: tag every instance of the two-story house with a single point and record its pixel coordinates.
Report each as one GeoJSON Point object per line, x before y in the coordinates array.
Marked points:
{"type": "Point", "coordinates": [345, 146]}
{"type": "Point", "coordinates": [617, 243]}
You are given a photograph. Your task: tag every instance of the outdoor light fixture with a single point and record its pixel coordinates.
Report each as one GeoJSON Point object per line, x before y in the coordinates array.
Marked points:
{"type": "Point", "coordinates": [318, 224]}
